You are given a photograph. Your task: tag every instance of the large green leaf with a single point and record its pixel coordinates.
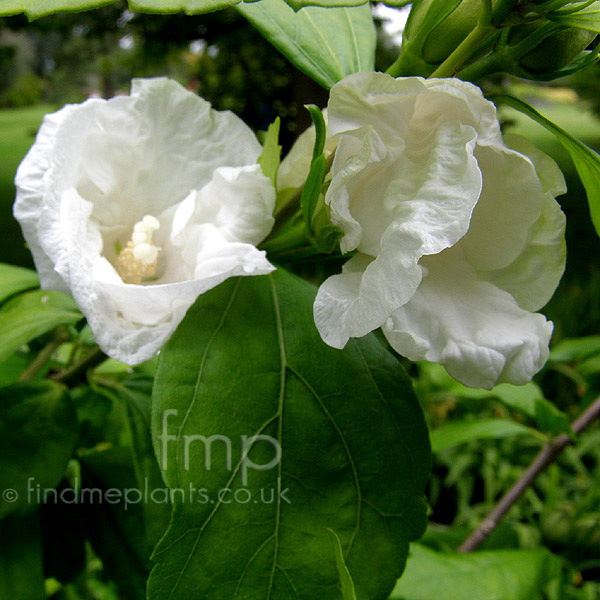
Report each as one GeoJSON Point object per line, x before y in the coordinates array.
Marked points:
{"type": "Point", "coordinates": [326, 43]}
{"type": "Point", "coordinates": [191, 7]}
{"type": "Point", "coordinates": [586, 160]}
{"type": "Point", "coordinates": [38, 431]}
{"type": "Point", "coordinates": [298, 4]}
{"type": "Point", "coordinates": [484, 575]}
{"type": "Point", "coordinates": [247, 360]}
{"type": "Point", "coordinates": [39, 8]}
{"type": "Point", "coordinates": [16, 279]}
{"type": "Point", "coordinates": [30, 315]}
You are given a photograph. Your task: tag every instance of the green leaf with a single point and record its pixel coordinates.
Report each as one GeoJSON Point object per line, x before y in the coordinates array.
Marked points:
{"type": "Point", "coordinates": [320, 129]}
{"type": "Point", "coordinates": [312, 189]}
{"type": "Point", "coordinates": [576, 349]}
{"type": "Point", "coordinates": [346, 583]}
{"type": "Point", "coordinates": [298, 4]}
{"type": "Point", "coordinates": [16, 279]}
{"type": "Point", "coordinates": [590, 366]}
{"type": "Point", "coordinates": [191, 7]}
{"type": "Point", "coordinates": [461, 432]}
{"type": "Point", "coordinates": [326, 43]}
{"type": "Point", "coordinates": [30, 315]}
{"type": "Point", "coordinates": [270, 158]}
{"type": "Point", "coordinates": [586, 160]}
{"type": "Point", "coordinates": [12, 367]}
{"type": "Point", "coordinates": [483, 575]}
{"type": "Point", "coordinates": [44, 298]}
{"type": "Point", "coordinates": [529, 400]}
{"type": "Point", "coordinates": [247, 360]}
{"type": "Point", "coordinates": [40, 8]}
{"type": "Point", "coordinates": [38, 431]}
{"type": "Point", "coordinates": [586, 18]}
{"type": "Point", "coordinates": [21, 566]}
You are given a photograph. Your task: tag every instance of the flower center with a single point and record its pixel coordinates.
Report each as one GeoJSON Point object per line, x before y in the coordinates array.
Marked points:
{"type": "Point", "coordinates": [138, 261]}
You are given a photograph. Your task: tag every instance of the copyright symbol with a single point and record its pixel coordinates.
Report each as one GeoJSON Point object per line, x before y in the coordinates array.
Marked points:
{"type": "Point", "coordinates": [10, 495]}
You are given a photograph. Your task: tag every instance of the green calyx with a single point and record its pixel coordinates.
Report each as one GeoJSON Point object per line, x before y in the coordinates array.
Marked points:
{"type": "Point", "coordinates": [447, 36]}
{"type": "Point", "coordinates": [555, 51]}
{"type": "Point", "coordinates": [443, 39]}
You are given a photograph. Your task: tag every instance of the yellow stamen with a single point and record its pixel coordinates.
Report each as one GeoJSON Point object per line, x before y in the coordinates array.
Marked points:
{"type": "Point", "coordinates": [138, 261]}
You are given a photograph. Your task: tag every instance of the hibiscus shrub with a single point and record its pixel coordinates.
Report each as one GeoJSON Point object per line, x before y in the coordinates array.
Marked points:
{"type": "Point", "coordinates": [211, 424]}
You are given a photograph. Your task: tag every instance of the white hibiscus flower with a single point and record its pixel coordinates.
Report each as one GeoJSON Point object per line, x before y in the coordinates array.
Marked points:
{"type": "Point", "coordinates": [138, 204]}
{"type": "Point", "coordinates": [456, 232]}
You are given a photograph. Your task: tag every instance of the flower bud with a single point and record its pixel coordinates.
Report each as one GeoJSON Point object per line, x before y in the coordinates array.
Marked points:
{"type": "Point", "coordinates": [444, 38]}
{"type": "Point", "coordinates": [554, 52]}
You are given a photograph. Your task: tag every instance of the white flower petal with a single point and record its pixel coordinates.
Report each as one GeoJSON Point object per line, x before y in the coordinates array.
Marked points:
{"type": "Point", "coordinates": [477, 331]}
{"type": "Point", "coordinates": [551, 177]}
{"type": "Point", "coordinates": [424, 209]}
{"type": "Point", "coordinates": [511, 202]}
{"type": "Point", "coordinates": [29, 205]}
{"type": "Point", "coordinates": [239, 201]}
{"type": "Point", "coordinates": [535, 273]}
{"type": "Point", "coordinates": [477, 111]}
{"type": "Point", "coordinates": [339, 308]}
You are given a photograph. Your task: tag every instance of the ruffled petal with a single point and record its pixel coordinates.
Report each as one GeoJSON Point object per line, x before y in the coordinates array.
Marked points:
{"type": "Point", "coordinates": [429, 203]}
{"type": "Point", "coordinates": [533, 276]}
{"type": "Point", "coordinates": [31, 203]}
{"type": "Point", "coordinates": [239, 201]}
{"type": "Point", "coordinates": [476, 330]}
{"type": "Point", "coordinates": [511, 202]}
{"type": "Point", "coordinates": [340, 311]}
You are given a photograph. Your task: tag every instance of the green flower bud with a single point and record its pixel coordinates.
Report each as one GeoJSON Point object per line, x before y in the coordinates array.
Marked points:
{"type": "Point", "coordinates": [448, 35]}
{"type": "Point", "coordinates": [556, 51]}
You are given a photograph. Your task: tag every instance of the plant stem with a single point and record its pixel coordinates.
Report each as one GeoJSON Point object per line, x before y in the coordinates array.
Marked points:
{"type": "Point", "coordinates": [61, 335]}
{"type": "Point", "coordinates": [485, 17]}
{"type": "Point", "coordinates": [547, 455]}
{"type": "Point", "coordinates": [408, 64]}
{"type": "Point", "coordinates": [464, 51]}
{"type": "Point", "coordinates": [73, 373]}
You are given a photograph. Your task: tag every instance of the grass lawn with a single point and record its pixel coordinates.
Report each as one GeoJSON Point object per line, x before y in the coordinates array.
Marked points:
{"type": "Point", "coordinates": [17, 132]}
